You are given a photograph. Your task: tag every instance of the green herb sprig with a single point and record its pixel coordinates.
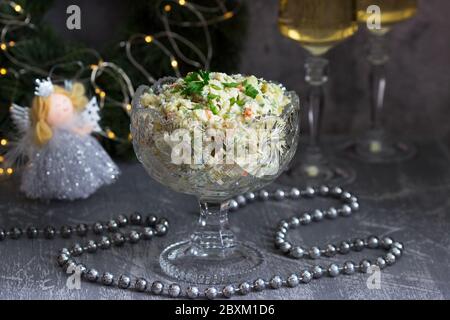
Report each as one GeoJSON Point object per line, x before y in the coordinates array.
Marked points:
{"type": "Point", "coordinates": [194, 82]}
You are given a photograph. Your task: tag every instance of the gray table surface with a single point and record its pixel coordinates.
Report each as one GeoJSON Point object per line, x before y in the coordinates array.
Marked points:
{"type": "Point", "coordinates": [407, 201]}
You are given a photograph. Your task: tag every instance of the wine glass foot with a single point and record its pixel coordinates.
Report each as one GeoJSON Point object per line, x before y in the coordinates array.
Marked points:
{"type": "Point", "coordinates": [184, 262]}
{"type": "Point", "coordinates": [330, 173]}
{"type": "Point", "coordinates": [373, 149]}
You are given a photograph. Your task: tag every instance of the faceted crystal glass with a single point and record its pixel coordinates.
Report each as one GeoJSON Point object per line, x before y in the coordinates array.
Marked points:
{"type": "Point", "coordinates": [211, 254]}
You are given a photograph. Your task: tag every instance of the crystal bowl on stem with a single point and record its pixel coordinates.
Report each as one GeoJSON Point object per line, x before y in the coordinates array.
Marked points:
{"type": "Point", "coordinates": [212, 254]}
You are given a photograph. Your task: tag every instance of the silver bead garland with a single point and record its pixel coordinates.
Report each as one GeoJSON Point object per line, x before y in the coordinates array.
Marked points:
{"type": "Point", "coordinates": [153, 226]}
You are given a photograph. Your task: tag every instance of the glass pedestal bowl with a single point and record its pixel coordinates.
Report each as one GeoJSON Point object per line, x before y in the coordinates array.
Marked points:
{"type": "Point", "coordinates": [211, 254]}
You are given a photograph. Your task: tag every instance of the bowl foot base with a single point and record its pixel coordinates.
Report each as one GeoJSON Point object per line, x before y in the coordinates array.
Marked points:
{"type": "Point", "coordinates": [184, 262]}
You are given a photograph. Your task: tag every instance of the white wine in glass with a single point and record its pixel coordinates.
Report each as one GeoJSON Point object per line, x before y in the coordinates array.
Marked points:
{"type": "Point", "coordinates": [318, 25]}
{"type": "Point", "coordinates": [376, 145]}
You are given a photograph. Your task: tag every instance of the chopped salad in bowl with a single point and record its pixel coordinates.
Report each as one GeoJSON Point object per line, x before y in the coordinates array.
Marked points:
{"type": "Point", "coordinates": [213, 134]}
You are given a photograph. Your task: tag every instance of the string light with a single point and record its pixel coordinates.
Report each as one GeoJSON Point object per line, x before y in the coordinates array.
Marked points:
{"type": "Point", "coordinates": [111, 135]}
{"type": "Point", "coordinates": [174, 63]}
{"type": "Point", "coordinates": [130, 137]}
{"type": "Point", "coordinates": [2, 159]}
{"type": "Point", "coordinates": [4, 46]}
{"type": "Point", "coordinates": [167, 8]}
{"type": "Point", "coordinates": [3, 71]}
{"type": "Point", "coordinates": [8, 171]}
{"type": "Point", "coordinates": [222, 8]}
{"type": "Point", "coordinates": [100, 92]}
{"type": "Point", "coordinates": [228, 15]}
{"type": "Point", "coordinates": [148, 39]}
{"type": "Point", "coordinates": [17, 8]}
{"type": "Point", "coordinates": [3, 142]}
{"type": "Point", "coordinates": [128, 107]}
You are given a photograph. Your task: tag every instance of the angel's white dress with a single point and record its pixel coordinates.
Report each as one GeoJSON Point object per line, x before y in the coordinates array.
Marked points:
{"type": "Point", "coordinates": [68, 167]}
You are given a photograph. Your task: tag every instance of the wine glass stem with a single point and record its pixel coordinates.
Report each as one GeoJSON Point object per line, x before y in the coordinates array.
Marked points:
{"type": "Point", "coordinates": [213, 236]}
{"type": "Point", "coordinates": [378, 57]}
{"type": "Point", "coordinates": [316, 77]}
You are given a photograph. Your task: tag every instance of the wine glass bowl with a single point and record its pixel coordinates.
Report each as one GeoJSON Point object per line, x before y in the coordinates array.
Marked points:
{"type": "Point", "coordinates": [318, 26]}
{"type": "Point", "coordinates": [211, 254]}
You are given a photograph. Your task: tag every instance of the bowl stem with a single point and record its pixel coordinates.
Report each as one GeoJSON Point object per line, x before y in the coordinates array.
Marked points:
{"type": "Point", "coordinates": [213, 236]}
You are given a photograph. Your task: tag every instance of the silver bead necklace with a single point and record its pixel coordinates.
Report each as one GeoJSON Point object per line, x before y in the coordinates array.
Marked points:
{"type": "Point", "coordinates": [153, 226]}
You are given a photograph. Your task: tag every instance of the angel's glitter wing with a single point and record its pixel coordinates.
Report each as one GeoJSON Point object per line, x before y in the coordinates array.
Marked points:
{"type": "Point", "coordinates": [91, 115]}
{"type": "Point", "coordinates": [21, 118]}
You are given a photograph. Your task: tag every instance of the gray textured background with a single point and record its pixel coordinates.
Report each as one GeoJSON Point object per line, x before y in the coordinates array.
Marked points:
{"type": "Point", "coordinates": [418, 96]}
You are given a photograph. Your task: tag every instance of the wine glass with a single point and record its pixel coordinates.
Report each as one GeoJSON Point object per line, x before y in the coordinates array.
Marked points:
{"type": "Point", "coordinates": [377, 146]}
{"type": "Point", "coordinates": [318, 25]}
{"type": "Point", "coordinates": [211, 254]}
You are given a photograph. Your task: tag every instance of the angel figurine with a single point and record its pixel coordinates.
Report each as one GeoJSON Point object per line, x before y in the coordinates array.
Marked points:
{"type": "Point", "coordinates": [63, 160]}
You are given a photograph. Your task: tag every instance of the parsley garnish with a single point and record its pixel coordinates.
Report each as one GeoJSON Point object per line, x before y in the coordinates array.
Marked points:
{"type": "Point", "coordinates": [194, 82]}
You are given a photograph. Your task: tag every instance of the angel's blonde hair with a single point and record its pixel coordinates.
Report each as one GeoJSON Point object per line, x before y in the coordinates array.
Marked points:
{"type": "Point", "coordinates": [41, 107]}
